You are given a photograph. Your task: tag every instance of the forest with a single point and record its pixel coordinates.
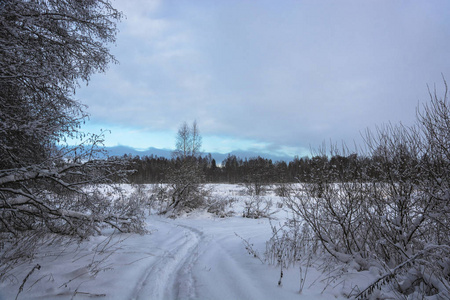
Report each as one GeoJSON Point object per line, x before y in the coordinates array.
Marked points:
{"type": "Point", "coordinates": [154, 169]}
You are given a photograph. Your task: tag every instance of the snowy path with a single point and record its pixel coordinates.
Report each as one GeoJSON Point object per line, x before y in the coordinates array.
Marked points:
{"type": "Point", "coordinates": [195, 264]}
{"type": "Point", "coordinates": [210, 262]}
{"type": "Point", "coordinates": [170, 276]}
{"type": "Point", "coordinates": [196, 257]}
{"type": "Point", "coordinates": [217, 272]}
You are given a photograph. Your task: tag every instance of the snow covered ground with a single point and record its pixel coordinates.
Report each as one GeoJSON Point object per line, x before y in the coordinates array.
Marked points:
{"type": "Point", "coordinates": [196, 256]}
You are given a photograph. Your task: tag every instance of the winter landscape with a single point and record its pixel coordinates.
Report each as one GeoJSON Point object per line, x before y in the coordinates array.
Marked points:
{"type": "Point", "coordinates": [199, 255]}
{"type": "Point", "coordinates": [244, 200]}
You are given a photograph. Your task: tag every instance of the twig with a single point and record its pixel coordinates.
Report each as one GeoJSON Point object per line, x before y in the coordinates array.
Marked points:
{"type": "Point", "coordinates": [37, 266]}
{"type": "Point", "coordinates": [249, 248]}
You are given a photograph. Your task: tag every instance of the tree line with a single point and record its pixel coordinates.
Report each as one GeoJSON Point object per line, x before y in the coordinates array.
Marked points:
{"type": "Point", "coordinates": [233, 169]}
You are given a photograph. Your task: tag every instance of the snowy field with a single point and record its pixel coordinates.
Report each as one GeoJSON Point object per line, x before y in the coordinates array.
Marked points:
{"type": "Point", "coordinates": [195, 256]}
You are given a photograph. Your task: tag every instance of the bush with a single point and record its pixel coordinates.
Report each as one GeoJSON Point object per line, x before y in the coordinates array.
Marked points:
{"type": "Point", "coordinates": [257, 207]}
{"type": "Point", "coordinates": [220, 206]}
{"type": "Point", "coordinates": [397, 219]}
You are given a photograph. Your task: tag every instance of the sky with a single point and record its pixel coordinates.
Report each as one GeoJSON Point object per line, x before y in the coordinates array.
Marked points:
{"type": "Point", "coordinates": [278, 77]}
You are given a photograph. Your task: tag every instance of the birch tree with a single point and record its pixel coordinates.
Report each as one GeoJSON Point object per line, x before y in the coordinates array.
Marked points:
{"type": "Point", "coordinates": [186, 177]}
{"type": "Point", "coordinates": [188, 141]}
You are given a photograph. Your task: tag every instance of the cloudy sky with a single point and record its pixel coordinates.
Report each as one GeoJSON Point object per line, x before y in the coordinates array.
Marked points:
{"type": "Point", "coordinates": [267, 76]}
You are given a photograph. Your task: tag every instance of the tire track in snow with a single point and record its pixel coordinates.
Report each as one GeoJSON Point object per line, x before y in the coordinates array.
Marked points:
{"type": "Point", "coordinates": [227, 278]}
{"type": "Point", "coordinates": [220, 270]}
{"type": "Point", "coordinates": [170, 276]}
{"type": "Point", "coordinates": [184, 281]}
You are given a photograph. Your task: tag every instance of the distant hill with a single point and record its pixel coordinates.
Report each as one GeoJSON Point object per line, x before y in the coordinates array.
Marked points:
{"type": "Point", "coordinates": [121, 150]}
{"type": "Point", "coordinates": [167, 153]}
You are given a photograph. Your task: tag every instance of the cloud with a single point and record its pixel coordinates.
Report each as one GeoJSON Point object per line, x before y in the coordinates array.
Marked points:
{"type": "Point", "coordinates": [285, 75]}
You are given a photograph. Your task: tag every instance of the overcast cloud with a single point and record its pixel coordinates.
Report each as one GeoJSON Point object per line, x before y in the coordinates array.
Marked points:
{"type": "Point", "coordinates": [276, 76]}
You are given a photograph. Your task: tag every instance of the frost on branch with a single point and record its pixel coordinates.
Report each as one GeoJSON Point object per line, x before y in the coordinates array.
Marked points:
{"type": "Point", "coordinates": [47, 48]}
{"type": "Point", "coordinates": [392, 212]}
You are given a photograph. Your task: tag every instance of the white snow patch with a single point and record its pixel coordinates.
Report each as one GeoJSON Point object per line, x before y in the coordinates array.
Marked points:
{"type": "Point", "coordinates": [196, 256]}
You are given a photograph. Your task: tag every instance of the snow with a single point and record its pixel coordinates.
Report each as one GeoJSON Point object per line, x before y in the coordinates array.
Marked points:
{"type": "Point", "coordinates": [196, 256]}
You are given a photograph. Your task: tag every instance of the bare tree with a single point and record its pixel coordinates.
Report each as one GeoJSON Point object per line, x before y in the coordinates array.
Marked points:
{"type": "Point", "coordinates": [183, 141]}
{"type": "Point", "coordinates": [188, 141]}
{"type": "Point", "coordinates": [186, 177]}
{"type": "Point", "coordinates": [196, 139]}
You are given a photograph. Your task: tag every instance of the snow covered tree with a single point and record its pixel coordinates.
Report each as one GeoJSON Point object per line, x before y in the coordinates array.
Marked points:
{"type": "Point", "coordinates": [259, 175]}
{"type": "Point", "coordinates": [186, 177]}
{"type": "Point", "coordinates": [47, 49]}
{"type": "Point", "coordinates": [392, 211]}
